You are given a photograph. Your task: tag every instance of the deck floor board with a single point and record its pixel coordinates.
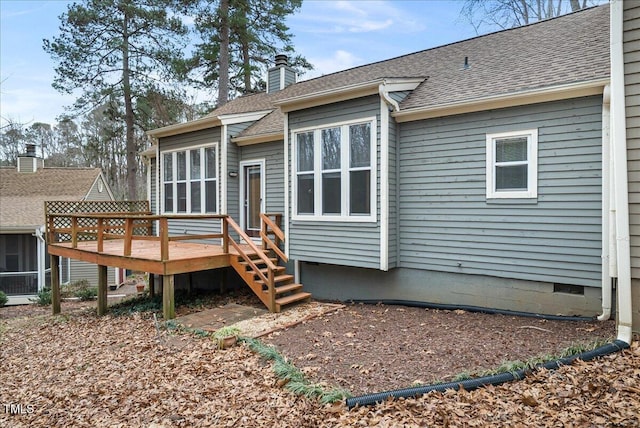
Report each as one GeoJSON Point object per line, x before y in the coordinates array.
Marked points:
{"type": "Point", "coordinates": [145, 255]}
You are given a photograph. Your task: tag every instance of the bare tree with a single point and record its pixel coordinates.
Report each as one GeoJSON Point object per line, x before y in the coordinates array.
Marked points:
{"type": "Point", "coordinates": [487, 15]}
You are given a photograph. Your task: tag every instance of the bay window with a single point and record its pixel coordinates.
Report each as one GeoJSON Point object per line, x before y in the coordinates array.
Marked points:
{"type": "Point", "coordinates": [335, 172]}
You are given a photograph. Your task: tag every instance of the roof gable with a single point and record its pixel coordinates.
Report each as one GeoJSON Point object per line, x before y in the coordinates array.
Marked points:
{"type": "Point", "coordinates": [22, 195]}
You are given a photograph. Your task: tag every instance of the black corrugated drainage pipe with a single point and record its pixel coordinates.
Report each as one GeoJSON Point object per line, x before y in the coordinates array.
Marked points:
{"type": "Point", "coordinates": [470, 384]}
{"type": "Point", "coordinates": [468, 308]}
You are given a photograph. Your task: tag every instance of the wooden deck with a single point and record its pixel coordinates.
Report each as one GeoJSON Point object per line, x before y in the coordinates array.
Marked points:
{"type": "Point", "coordinates": [145, 255]}
{"type": "Point", "coordinates": [121, 234]}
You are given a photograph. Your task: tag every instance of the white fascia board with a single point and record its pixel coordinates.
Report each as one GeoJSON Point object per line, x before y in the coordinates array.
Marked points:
{"type": "Point", "coordinates": [554, 93]}
{"type": "Point", "coordinates": [182, 128]}
{"type": "Point", "coordinates": [257, 139]}
{"type": "Point", "coordinates": [348, 92]}
{"type": "Point", "coordinates": [27, 228]}
{"type": "Point", "coordinates": [230, 119]}
{"type": "Point", "coordinates": [328, 96]}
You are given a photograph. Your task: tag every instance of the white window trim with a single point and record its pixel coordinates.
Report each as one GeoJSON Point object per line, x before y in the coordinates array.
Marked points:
{"type": "Point", "coordinates": [188, 179]}
{"type": "Point", "coordinates": [242, 190]}
{"type": "Point", "coordinates": [532, 162]}
{"type": "Point", "coordinates": [345, 170]}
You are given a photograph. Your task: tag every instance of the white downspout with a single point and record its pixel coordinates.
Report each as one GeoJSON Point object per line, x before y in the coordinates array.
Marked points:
{"type": "Point", "coordinates": [619, 142]}
{"type": "Point", "coordinates": [39, 234]}
{"type": "Point", "coordinates": [606, 159]}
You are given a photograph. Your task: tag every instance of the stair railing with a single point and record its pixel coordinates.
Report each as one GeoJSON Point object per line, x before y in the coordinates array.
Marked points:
{"type": "Point", "coordinates": [268, 279]}
{"type": "Point", "coordinates": [272, 227]}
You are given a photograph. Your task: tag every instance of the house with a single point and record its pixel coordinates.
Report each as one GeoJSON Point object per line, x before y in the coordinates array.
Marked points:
{"type": "Point", "coordinates": [24, 262]}
{"type": "Point", "coordinates": [476, 173]}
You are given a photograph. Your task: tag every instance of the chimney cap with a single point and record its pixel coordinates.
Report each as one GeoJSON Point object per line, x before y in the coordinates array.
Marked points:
{"type": "Point", "coordinates": [281, 59]}
{"type": "Point", "coordinates": [31, 150]}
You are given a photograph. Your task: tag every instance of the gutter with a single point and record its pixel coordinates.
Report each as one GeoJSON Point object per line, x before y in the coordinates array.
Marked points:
{"type": "Point", "coordinates": [524, 97]}
{"type": "Point", "coordinates": [180, 128]}
{"type": "Point", "coordinates": [619, 143]}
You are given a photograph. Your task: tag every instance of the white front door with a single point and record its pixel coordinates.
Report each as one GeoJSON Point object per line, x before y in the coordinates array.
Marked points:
{"type": "Point", "coordinates": [252, 196]}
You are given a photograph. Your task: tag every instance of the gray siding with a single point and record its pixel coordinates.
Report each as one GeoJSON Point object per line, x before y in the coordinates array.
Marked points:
{"type": "Point", "coordinates": [631, 28]}
{"type": "Point", "coordinates": [273, 154]}
{"type": "Point", "coordinates": [185, 141]}
{"type": "Point", "coordinates": [447, 224]}
{"type": "Point", "coordinates": [95, 194]}
{"type": "Point", "coordinates": [274, 79]}
{"type": "Point", "coordinates": [80, 270]}
{"type": "Point", "coordinates": [345, 243]}
{"type": "Point", "coordinates": [233, 184]}
{"type": "Point", "coordinates": [393, 193]}
{"type": "Point", "coordinates": [399, 96]}
{"type": "Point", "coordinates": [289, 77]}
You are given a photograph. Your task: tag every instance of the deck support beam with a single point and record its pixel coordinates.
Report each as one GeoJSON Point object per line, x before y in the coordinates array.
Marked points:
{"type": "Point", "coordinates": [152, 285]}
{"type": "Point", "coordinates": [102, 290]}
{"type": "Point", "coordinates": [168, 298]}
{"type": "Point", "coordinates": [55, 284]}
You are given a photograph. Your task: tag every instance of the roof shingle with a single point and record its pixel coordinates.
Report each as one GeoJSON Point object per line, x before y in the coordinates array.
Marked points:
{"type": "Point", "coordinates": [22, 195]}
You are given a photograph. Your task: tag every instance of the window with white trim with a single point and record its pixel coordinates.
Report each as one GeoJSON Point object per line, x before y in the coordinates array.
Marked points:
{"type": "Point", "coordinates": [189, 179]}
{"type": "Point", "coordinates": [334, 170]}
{"type": "Point", "coordinates": [512, 164]}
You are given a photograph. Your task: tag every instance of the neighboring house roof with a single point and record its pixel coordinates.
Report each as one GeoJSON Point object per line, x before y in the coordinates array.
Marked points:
{"type": "Point", "coordinates": [568, 50]}
{"type": "Point", "coordinates": [22, 195]}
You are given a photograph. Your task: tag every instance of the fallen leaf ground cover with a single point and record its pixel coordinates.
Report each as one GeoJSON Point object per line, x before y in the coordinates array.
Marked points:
{"type": "Point", "coordinates": [76, 370]}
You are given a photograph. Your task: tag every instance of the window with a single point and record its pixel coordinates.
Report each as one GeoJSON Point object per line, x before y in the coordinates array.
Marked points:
{"type": "Point", "coordinates": [189, 180]}
{"type": "Point", "coordinates": [334, 173]}
{"type": "Point", "coordinates": [512, 165]}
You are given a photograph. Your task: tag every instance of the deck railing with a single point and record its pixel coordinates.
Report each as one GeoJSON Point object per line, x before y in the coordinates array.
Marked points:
{"type": "Point", "coordinates": [128, 226]}
{"type": "Point", "coordinates": [272, 227]}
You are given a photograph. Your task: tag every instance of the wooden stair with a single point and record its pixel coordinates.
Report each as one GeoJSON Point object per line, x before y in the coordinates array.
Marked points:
{"type": "Point", "coordinates": [260, 268]}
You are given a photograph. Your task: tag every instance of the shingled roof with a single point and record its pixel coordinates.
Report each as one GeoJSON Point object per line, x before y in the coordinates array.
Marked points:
{"type": "Point", "coordinates": [566, 50]}
{"type": "Point", "coordinates": [563, 50]}
{"type": "Point", "coordinates": [22, 195]}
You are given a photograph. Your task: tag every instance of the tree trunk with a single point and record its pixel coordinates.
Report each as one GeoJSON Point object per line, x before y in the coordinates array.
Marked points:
{"type": "Point", "coordinates": [246, 66]}
{"type": "Point", "coordinates": [223, 60]}
{"type": "Point", "coordinates": [132, 169]}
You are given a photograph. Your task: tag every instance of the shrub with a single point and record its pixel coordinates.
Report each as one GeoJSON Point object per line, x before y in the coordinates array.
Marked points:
{"type": "Point", "coordinates": [88, 293]}
{"type": "Point", "coordinates": [43, 298]}
{"type": "Point", "coordinates": [3, 299]}
{"type": "Point", "coordinates": [74, 289]}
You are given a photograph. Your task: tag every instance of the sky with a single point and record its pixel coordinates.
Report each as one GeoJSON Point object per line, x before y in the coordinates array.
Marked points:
{"type": "Point", "coordinates": [332, 35]}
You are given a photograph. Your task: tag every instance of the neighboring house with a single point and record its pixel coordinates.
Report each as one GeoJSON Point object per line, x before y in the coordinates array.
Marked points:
{"type": "Point", "coordinates": [24, 262]}
{"type": "Point", "coordinates": [467, 174]}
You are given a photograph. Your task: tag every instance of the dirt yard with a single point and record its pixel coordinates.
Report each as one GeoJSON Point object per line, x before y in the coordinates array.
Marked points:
{"type": "Point", "coordinates": [78, 370]}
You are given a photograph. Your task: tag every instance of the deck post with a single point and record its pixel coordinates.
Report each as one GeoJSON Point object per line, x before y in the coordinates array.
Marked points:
{"type": "Point", "coordinates": [102, 290]}
{"type": "Point", "coordinates": [55, 284]}
{"type": "Point", "coordinates": [164, 239]}
{"type": "Point", "coordinates": [152, 285]}
{"type": "Point", "coordinates": [168, 300]}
